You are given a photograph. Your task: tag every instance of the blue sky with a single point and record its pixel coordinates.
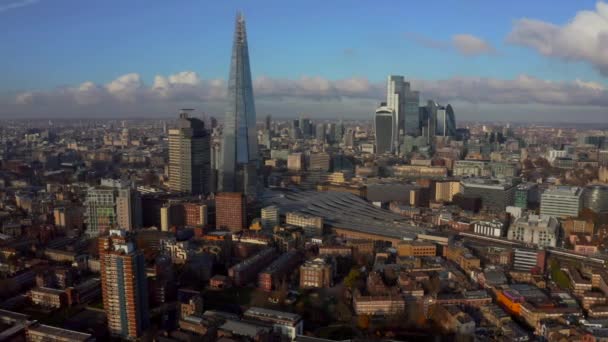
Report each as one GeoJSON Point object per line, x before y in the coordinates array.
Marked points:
{"type": "Point", "coordinates": [62, 43]}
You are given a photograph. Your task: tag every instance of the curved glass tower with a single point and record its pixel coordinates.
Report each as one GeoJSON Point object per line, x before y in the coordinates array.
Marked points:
{"type": "Point", "coordinates": [238, 168]}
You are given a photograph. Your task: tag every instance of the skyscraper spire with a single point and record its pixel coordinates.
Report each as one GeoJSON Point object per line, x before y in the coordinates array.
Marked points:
{"type": "Point", "coordinates": [238, 170]}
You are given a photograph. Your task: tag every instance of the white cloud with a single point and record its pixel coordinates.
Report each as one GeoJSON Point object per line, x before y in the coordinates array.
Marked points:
{"type": "Point", "coordinates": [129, 95]}
{"type": "Point", "coordinates": [584, 38]}
{"type": "Point", "coordinates": [126, 88]}
{"type": "Point", "coordinates": [464, 44]}
{"type": "Point", "coordinates": [470, 45]}
{"type": "Point", "coordinates": [17, 4]}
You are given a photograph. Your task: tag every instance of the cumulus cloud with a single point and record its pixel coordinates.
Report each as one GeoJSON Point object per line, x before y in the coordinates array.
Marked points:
{"type": "Point", "coordinates": [470, 45]}
{"type": "Point", "coordinates": [523, 89]}
{"type": "Point", "coordinates": [188, 86]}
{"type": "Point", "coordinates": [584, 38]}
{"type": "Point", "coordinates": [464, 44]}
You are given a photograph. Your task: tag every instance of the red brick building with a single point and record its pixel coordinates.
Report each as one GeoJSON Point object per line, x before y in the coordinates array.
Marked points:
{"type": "Point", "coordinates": [230, 211]}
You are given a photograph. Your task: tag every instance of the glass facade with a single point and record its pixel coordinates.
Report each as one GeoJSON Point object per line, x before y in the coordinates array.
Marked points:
{"type": "Point", "coordinates": [239, 156]}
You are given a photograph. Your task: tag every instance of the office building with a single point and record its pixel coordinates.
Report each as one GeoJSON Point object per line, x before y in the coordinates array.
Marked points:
{"type": "Point", "coordinates": [306, 127]}
{"type": "Point", "coordinates": [320, 133]}
{"type": "Point", "coordinates": [69, 217]}
{"type": "Point", "coordinates": [494, 228]}
{"type": "Point", "coordinates": [540, 230]}
{"type": "Point", "coordinates": [416, 249]}
{"type": "Point", "coordinates": [446, 122]}
{"type": "Point", "coordinates": [230, 211]}
{"type": "Point", "coordinates": [602, 157]}
{"type": "Point", "coordinates": [526, 195]}
{"type": "Point", "coordinates": [526, 259]}
{"type": "Point", "coordinates": [445, 190]}
{"type": "Point", "coordinates": [270, 217]}
{"type": "Point", "coordinates": [595, 198]}
{"type": "Point", "coordinates": [404, 102]}
{"type": "Point", "coordinates": [295, 162]}
{"type": "Point", "coordinates": [428, 121]}
{"type": "Point", "coordinates": [124, 285]}
{"type": "Point", "coordinates": [320, 162]}
{"type": "Point", "coordinates": [100, 210]}
{"type": "Point", "coordinates": [384, 129]}
{"type": "Point", "coordinates": [128, 209]}
{"type": "Point", "coordinates": [239, 156]}
{"type": "Point", "coordinates": [562, 201]}
{"type": "Point", "coordinates": [189, 156]}
{"type": "Point", "coordinates": [312, 225]}
{"type": "Point", "coordinates": [472, 168]}
{"type": "Point", "coordinates": [495, 194]}
{"type": "Point", "coordinates": [316, 273]}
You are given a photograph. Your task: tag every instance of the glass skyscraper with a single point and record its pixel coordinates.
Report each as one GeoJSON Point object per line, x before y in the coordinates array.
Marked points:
{"type": "Point", "coordinates": [383, 127]}
{"type": "Point", "coordinates": [238, 169]}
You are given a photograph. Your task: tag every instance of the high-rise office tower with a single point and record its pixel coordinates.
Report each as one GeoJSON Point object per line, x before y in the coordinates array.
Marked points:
{"type": "Point", "coordinates": [320, 132]}
{"type": "Point", "coordinates": [123, 285]}
{"type": "Point", "coordinates": [294, 131]}
{"type": "Point", "coordinates": [349, 138]}
{"type": "Point", "coordinates": [384, 129]}
{"type": "Point", "coordinates": [446, 122]}
{"type": "Point", "coordinates": [450, 120]}
{"type": "Point", "coordinates": [268, 123]}
{"type": "Point", "coordinates": [339, 132]}
{"type": "Point", "coordinates": [441, 127]}
{"type": "Point", "coordinates": [429, 121]}
{"type": "Point", "coordinates": [238, 171]}
{"type": "Point", "coordinates": [305, 127]}
{"type": "Point", "coordinates": [189, 156]}
{"type": "Point", "coordinates": [404, 102]}
{"type": "Point", "coordinates": [128, 209]}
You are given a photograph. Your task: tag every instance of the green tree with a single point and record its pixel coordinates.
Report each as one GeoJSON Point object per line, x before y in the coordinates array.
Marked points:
{"type": "Point", "coordinates": [352, 278]}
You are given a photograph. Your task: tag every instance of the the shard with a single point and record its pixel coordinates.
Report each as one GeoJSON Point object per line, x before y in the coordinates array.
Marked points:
{"type": "Point", "coordinates": [239, 157]}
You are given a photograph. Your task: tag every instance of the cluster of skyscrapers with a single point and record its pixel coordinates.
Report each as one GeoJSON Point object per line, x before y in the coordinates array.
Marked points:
{"type": "Point", "coordinates": [402, 125]}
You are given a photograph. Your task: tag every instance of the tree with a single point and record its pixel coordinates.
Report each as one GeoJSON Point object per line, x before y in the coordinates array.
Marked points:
{"type": "Point", "coordinates": [352, 277]}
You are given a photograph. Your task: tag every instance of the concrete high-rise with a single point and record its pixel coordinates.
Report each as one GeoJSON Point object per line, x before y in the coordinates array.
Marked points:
{"type": "Point", "coordinates": [239, 157]}
{"type": "Point", "coordinates": [128, 209]}
{"type": "Point", "coordinates": [189, 156]}
{"type": "Point", "coordinates": [123, 285]}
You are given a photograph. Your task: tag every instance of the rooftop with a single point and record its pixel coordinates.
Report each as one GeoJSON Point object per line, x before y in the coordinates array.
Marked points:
{"type": "Point", "coordinates": [344, 210]}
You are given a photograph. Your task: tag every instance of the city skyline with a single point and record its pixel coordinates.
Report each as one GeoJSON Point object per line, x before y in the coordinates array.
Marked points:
{"type": "Point", "coordinates": [486, 70]}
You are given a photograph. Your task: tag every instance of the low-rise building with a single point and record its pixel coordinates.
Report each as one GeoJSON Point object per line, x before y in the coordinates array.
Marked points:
{"type": "Point", "coordinates": [286, 323]}
{"type": "Point", "coordinates": [378, 305]}
{"type": "Point", "coordinates": [494, 228]}
{"type": "Point", "coordinates": [416, 248]}
{"type": "Point", "coordinates": [541, 230]}
{"type": "Point", "coordinates": [316, 273]}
